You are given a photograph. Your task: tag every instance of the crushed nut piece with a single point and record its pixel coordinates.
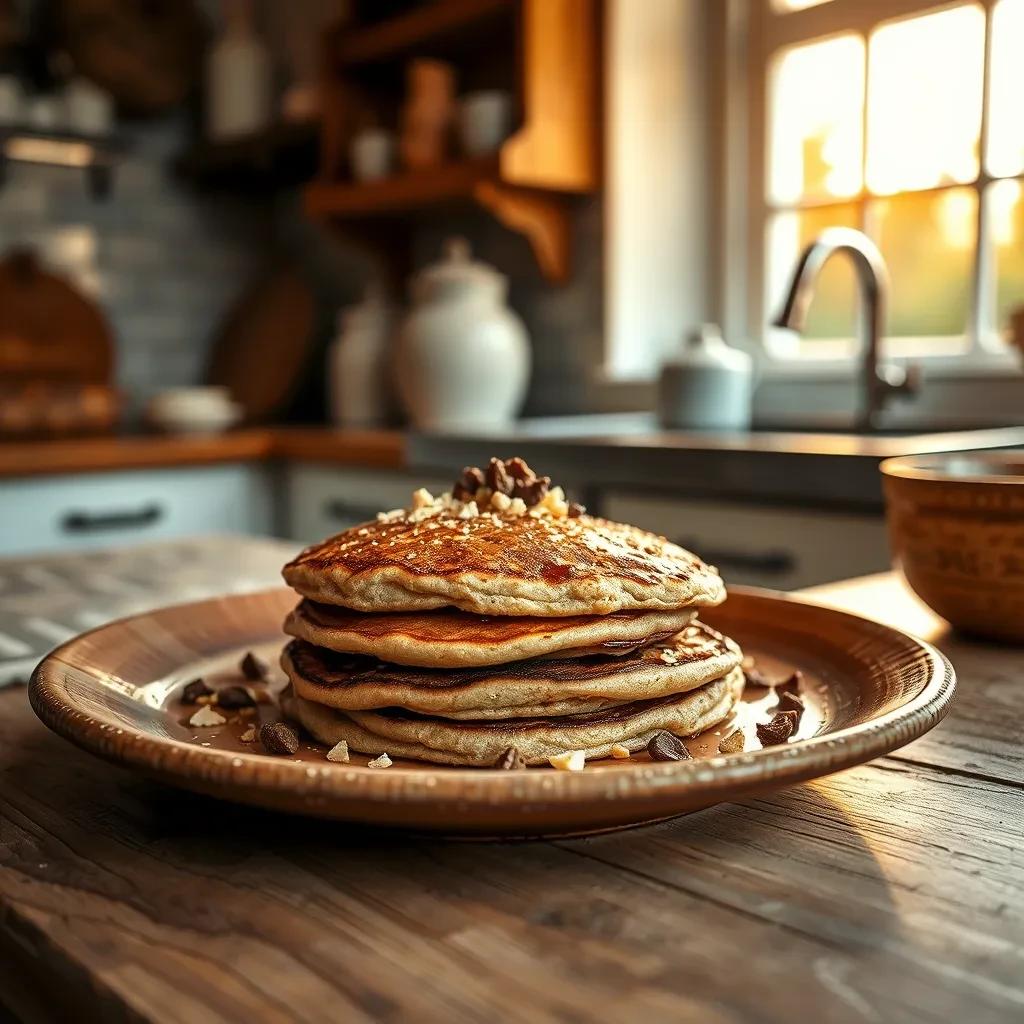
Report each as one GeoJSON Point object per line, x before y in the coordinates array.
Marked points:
{"type": "Point", "coordinates": [254, 668]}
{"type": "Point", "coordinates": [233, 697]}
{"type": "Point", "coordinates": [732, 744]}
{"type": "Point", "coordinates": [339, 752]}
{"type": "Point", "coordinates": [669, 656]}
{"type": "Point", "coordinates": [619, 751]}
{"type": "Point", "coordinates": [380, 762]}
{"type": "Point", "coordinates": [791, 702]}
{"type": "Point", "coordinates": [510, 760]}
{"type": "Point", "coordinates": [206, 718]}
{"type": "Point", "coordinates": [422, 498]}
{"type": "Point", "coordinates": [778, 730]}
{"type": "Point", "coordinates": [279, 738]}
{"type": "Point", "coordinates": [469, 510]}
{"type": "Point", "coordinates": [570, 761]}
{"type": "Point", "coordinates": [471, 481]}
{"type": "Point", "coordinates": [575, 510]}
{"type": "Point", "coordinates": [194, 690]}
{"type": "Point", "coordinates": [517, 507]}
{"type": "Point", "coordinates": [532, 490]}
{"type": "Point", "coordinates": [249, 736]}
{"type": "Point", "coordinates": [498, 478]}
{"type": "Point", "coordinates": [663, 746]}
{"type": "Point", "coordinates": [500, 501]}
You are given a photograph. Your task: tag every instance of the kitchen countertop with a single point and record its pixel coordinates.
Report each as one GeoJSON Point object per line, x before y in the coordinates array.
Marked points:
{"type": "Point", "coordinates": [892, 891]}
{"type": "Point", "coordinates": [372, 448]}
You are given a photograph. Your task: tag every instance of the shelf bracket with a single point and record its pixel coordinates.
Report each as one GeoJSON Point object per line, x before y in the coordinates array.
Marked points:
{"type": "Point", "coordinates": [544, 220]}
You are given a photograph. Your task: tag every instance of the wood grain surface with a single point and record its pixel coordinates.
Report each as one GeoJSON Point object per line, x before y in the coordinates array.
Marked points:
{"type": "Point", "coordinates": [890, 892]}
{"type": "Point", "coordinates": [373, 448]}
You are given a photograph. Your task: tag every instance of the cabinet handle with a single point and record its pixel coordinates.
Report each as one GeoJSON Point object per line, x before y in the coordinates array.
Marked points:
{"type": "Point", "coordinates": [337, 509]}
{"type": "Point", "coordinates": [770, 563]}
{"type": "Point", "coordinates": [116, 519]}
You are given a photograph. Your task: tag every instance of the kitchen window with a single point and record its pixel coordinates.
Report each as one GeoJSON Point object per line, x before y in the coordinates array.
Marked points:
{"type": "Point", "coordinates": [902, 119]}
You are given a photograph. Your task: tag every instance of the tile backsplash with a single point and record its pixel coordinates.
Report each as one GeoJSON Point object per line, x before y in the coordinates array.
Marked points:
{"type": "Point", "coordinates": [163, 262]}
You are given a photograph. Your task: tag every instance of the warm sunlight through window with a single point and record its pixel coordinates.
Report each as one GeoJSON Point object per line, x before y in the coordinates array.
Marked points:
{"type": "Point", "coordinates": [796, 5]}
{"type": "Point", "coordinates": [896, 153]}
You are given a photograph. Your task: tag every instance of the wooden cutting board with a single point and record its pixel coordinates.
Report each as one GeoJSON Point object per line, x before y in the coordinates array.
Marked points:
{"type": "Point", "coordinates": [49, 331]}
{"type": "Point", "coordinates": [265, 344]}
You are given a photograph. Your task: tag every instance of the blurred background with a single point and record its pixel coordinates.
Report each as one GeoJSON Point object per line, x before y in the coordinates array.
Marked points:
{"type": "Point", "coordinates": [263, 264]}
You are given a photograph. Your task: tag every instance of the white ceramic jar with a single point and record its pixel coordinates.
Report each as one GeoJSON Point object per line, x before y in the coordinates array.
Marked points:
{"type": "Point", "coordinates": [708, 386]}
{"type": "Point", "coordinates": [462, 356]}
{"type": "Point", "coordinates": [359, 364]}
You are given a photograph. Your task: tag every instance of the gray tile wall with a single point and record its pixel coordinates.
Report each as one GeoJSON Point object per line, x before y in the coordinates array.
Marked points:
{"type": "Point", "coordinates": [163, 262]}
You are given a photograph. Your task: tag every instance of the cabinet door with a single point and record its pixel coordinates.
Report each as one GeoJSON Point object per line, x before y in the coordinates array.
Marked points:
{"type": "Point", "coordinates": [73, 511]}
{"type": "Point", "coordinates": [762, 545]}
{"type": "Point", "coordinates": [324, 500]}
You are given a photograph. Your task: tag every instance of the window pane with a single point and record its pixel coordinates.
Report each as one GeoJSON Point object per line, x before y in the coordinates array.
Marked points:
{"type": "Point", "coordinates": [929, 242]}
{"type": "Point", "coordinates": [1005, 211]}
{"type": "Point", "coordinates": [925, 79]}
{"type": "Point", "coordinates": [833, 312]}
{"type": "Point", "coordinates": [1005, 123]}
{"type": "Point", "coordinates": [817, 118]}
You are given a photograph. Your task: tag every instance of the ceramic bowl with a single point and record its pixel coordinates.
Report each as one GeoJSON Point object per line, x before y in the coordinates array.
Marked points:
{"type": "Point", "coordinates": [956, 526]}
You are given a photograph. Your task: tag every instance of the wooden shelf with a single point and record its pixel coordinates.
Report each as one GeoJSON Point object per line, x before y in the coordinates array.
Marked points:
{"type": "Point", "coordinates": [430, 29]}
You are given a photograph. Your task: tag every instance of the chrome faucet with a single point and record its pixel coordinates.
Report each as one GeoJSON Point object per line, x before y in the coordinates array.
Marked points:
{"type": "Point", "coordinates": [880, 381]}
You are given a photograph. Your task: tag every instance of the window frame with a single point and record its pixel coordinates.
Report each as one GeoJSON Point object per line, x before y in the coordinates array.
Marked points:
{"type": "Point", "coordinates": [768, 31]}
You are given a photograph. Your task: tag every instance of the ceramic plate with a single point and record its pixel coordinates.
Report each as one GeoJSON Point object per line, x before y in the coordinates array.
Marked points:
{"type": "Point", "coordinates": [115, 692]}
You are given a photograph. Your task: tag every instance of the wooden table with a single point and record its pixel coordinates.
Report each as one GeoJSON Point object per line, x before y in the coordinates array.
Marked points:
{"type": "Point", "coordinates": [892, 892]}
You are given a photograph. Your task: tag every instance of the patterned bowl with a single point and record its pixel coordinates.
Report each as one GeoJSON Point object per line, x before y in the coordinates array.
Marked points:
{"type": "Point", "coordinates": [956, 527]}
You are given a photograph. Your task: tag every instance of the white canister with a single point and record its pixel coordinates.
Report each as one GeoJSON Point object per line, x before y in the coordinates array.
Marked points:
{"type": "Point", "coordinates": [238, 77]}
{"type": "Point", "coordinates": [88, 109]}
{"type": "Point", "coordinates": [462, 356]}
{"type": "Point", "coordinates": [372, 154]}
{"type": "Point", "coordinates": [359, 364]}
{"type": "Point", "coordinates": [708, 386]}
{"type": "Point", "coordinates": [485, 121]}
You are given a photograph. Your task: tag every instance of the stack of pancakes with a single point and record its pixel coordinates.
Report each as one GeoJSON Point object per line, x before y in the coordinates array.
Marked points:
{"type": "Point", "coordinates": [499, 618]}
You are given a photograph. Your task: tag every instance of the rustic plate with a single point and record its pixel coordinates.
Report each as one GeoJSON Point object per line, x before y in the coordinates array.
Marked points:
{"type": "Point", "coordinates": [114, 691]}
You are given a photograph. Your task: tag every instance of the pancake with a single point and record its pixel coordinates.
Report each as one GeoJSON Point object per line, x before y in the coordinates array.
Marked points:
{"type": "Point", "coordinates": [501, 563]}
{"type": "Point", "coordinates": [449, 638]}
{"type": "Point", "coordinates": [525, 688]}
{"type": "Point", "coordinates": [480, 743]}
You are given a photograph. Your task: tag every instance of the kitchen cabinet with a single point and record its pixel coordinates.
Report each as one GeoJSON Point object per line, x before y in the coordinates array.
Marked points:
{"type": "Point", "coordinates": [762, 545]}
{"type": "Point", "coordinates": [73, 511]}
{"type": "Point", "coordinates": [324, 500]}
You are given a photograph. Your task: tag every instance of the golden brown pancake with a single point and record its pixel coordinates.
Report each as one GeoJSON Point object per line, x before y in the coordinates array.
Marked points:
{"type": "Point", "coordinates": [480, 743]}
{"type": "Point", "coordinates": [450, 638]}
{"type": "Point", "coordinates": [502, 564]}
{"type": "Point", "coordinates": [524, 688]}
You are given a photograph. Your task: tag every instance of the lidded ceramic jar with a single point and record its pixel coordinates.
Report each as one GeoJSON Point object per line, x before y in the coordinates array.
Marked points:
{"type": "Point", "coordinates": [462, 356]}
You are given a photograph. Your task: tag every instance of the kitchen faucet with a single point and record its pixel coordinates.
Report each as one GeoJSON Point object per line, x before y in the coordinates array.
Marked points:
{"type": "Point", "coordinates": [880, 381]}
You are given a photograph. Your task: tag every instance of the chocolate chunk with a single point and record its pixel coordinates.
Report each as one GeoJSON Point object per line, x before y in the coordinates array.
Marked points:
{"type": "Point", "coordinates": [778, 730]}
{"type": "Point", "coordinates": [511, 760]}
{"type": "Point", "coordinates": [279, 738]}
{"type": "Point", "coordinates": [533, 492]}
{"type": "Point", "coordinates": [793, 683]}
{"type": "Point", "coordinates": [576, 509]}
{"type": "Point", "coordinates": [254, 667]}
{"type": "Point", "coordinates": [194, 690]}
{"type": "Point", "coordinates": [235, 697]}
{"type": "Point", "coordinates": [498, 478]}
{"type": "Point", "coordinates": [732, 744]}
{"type": "Point", "coordinates": [471, 480]}
{"type": "Point", "coordinates": [791, 702]}
{"type": "Point", "coordinates": [755, 677]}
{"type": "Point", "coordinates": [663, 746]}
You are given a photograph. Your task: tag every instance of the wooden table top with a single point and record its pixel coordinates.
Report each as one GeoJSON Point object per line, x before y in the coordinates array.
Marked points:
{"type": "Point", "coordinates": [891, 892]}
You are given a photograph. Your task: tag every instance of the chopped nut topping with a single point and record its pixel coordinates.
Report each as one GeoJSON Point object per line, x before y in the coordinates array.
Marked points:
{"type": "Point", "coordinates": [500, 501]}
{"type": "Point", "coordinates": [620, 752]}
{"type": "Point", "coordinates": [206, 718]}
{"type": "Point", "coordinates": [498, 478]}
{"type": "Point", "coordinates": [254, 667]}
{"type": "Point", "coordinates": [339, 752]}
{"type": "Point", "coordinates": [534, 491]}
{"type": "Point", "coordinates": [510, 760]}
{"type": "Point", "coordinates": [668, 656]}
{"type": "Point", "coordinates": [422, 498]}
{"type": "Point", "coordinates": [249, 736]}
{"type": "Point", "coordinates": [469, 510]}
{"type": "Point", "coordinates": [575, 510]}
{"type": "Point", "coordinates": [380, 762]}
{"type": "Point", "coordinates": [570, 761]}
{"type": "Point", "coordinates": [234, 697]}
{"type": "Point", "coordinates": [194, 690]}
{"type": "Point", "coordinates": [732, 744]}
{"type": "Point", "coordinates": [778, 730]}
{"type": "Point", "coordinates": [279, 738]}
{"type": "Point", "coordinates": [663, 746]}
